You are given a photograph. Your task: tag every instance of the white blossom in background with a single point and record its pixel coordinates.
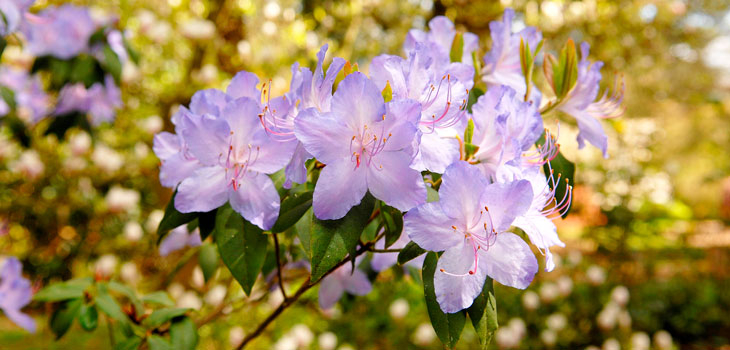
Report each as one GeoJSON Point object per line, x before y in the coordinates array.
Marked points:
{"type": "Point", "coordinates": [565, 285]}
{"type": "Point", "coordinates": [530, 300]}
{"type": "Point", "coordinates": [235, 336]}
{"type": "Point", "coordinates": [398, 309]}
{"type": "Point", "coordinates": [106, 158]}
{"type": "Point", "coordinates": [189, 300]}
{"type": "Point", "coordinates": [79, 143]}
{"type": "Point", "coordinates": [133, 231]}
{"type": "Point", "coordinates": [640, 341]}
{"type": "Point", "coordinates": [29, 164]}
{"type": "Point", "coordinates": [548, 337]}
{"type": "Point", "coordinates": [120, 199]}
{"type": "Point", "coordinates": [549, 292]}
{"type": "Point", "coordinates": [176, 290]}
{"type": "Point", "coordinates": [424, 335]}
{"type": "Point", "coordinates": [106, 265]}
{"type": "Point", "coordinates": [596, 275]}
{"type": "Point", "coordinates": [663, 340]}
{"type": "Point", "coordinates": [216, 295]}
{"type": "Point", "coordinates": [611, 344]}
{"type": "Point", "coordinates": [620, 295]}
{"type": "Point", "coordinates": [327, 341]}
{"type": "Point", "coordinates": [153, 220]}
{"type": "Point", "coordinates": [129, 273]}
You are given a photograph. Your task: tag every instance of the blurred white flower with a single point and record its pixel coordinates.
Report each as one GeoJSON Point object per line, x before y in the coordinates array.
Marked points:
{"type": "Point", "coordinates": [106, 265]}
{"type": "Point", "coordinates": [506, 338]}
{"type": "Point", "coordinates": [327, 341]}
{"type": "Point", "coordinates": [29, 164]}
{"type": "Point", "coordinates": [556, 322]}
{"type": "Point", "coordinates": [189, 300]}
{"type": "Point", "coordinates": [565, 285]}
{"type": "Point", "coordinates": [159, 32]}
{"type": "Point", "coordinates": [346, 347]}
{"type": "Point", "coordinates": [608, 317]}
{"type": "Point", "coordinates": [302, 335]}
{"type": "Point", "coordinates": [640, 341]}
{"type": "Point", "coordinates": [398, 309]}
{"type": "Point", "coordinates": [549, 337]}
{"type": "Point", "coordinates": [596, 275]}
{"type": "Point", "coordinates": [235, 336]}
{"type": "Point", "coordinates": [79, 143]}
{"type": "Point", "coordinates": [206, 75]}
{"type": "Point", "coordinates": [620, 295]}
{"type": "Point", "coordinates": [141, 150]}
{"type": "Point", "coordinates": [624, 319]}
{"type": "Point", "coordinates": [153, 220]}
{"type": "Point", "coordinates": [106, 158]}
{"type": "Point", "coordinates": [176, 290]}
{"type": "Point", "coordinates": [129, 273]}
{"type": "Point", "coordinates": [530, 300]}
{"type": "Point", "coordinates": [216, 295]}
{"type": "Point", "coordinates": [517, 325]}
{"type": "Point", "coordinates": [424, 334]}
{"type": "Point", "coordinates": [152, 124]}
{"type": "Point", "coordinates": [592, 347]}
{"type": "Point", "coordinates": [198, 279]}
{"type": "Point", "coordinates": [575, 257]}
{"type": "Point", "coordinates": [663, 340]}
{"type": "Point", "coordinates": [120, 199]}
{"type": "Point", "coordinates": [271, 9]}
{"type": "Point", "coordinates": [198, 29]}
{"type": "Point", "coordinates": [275, 298]}
{"type": "Point", "coordinates": [611, 344]}
{"type": "Point", "coordinates": [549, 292]}
{"type": "Point", "coordinates": [287, 342]}
{"type": "Point", "coordinates": [133, 231]}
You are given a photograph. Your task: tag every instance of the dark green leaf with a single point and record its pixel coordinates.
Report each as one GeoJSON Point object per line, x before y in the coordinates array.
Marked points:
{"type": "Point", "coordinates": [61, 123]}
{"type": "Point", "coordinates": [156, 342]}
{"type": "Point", "coordinates": [132, 343]}
{"type": "Point", "coordinates": [63, 317]}
{"type": "Point", "coordinates": [409, 252]}
{"type": "Point", "coordinates": [457, 48]}
{"type": "Point", "coordinates": [292, 209]}
{"type": "Point", "coordinates": [159, 298]}
{"type": "Point", "coordinates": [184, 334]}
{"type": "Point", "coordinates": [474, 95]}
{"type": "Point", "coordinates": [208, 260]}
{"type": "Point", "coordinates": [159, 317]}
{"type": "Point", "coordinates": [88, 317]}
{"type": "Point", "coordinates": [302, 231]}
{"type": "Point", "coordinates": [8, 96]}
{"type": "Point", "coordinates": [448, 327]}
{"type": "Point", "coordinates": [242, 246]}
{"type": "Point", "coordinates": [111, 63]}
{"type": "Point", "coordinates": [392, 223]}
{"type": "Point", "coordinates": [206, 223]}
{"type": "Point", "coordinates": [108, 305]}
{"type": "Point", "coordinates": [566, 170]}
{"type": "Point", "coordinates": [173, 219]}
{"type": "Point", "coordinates": [483, 314]}
{"type": "Point", "coordinates": [62, 291]}
{"type": "Point", "coordinates": [86, 70]}
{"type": "Point", "coordinates": [332, 240]}
{"type": "Point", "coordinates": [129, 293]}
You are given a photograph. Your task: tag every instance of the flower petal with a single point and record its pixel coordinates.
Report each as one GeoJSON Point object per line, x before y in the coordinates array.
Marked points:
{"type": "Point", "coordinates": [340, 187]}
{"type": "Point", "coordinates": [510, 261]}
{"type": "Point", "coordinates": [330, 291]}
{"type": "Point", "coordinates": [430, 228]}
{"type": "Point", "coordinates": [204, 191]}
{"type": "Point", "coordinates": [391, 180]}
{"type": "Point", "coordinates": [357, 283]}
{"type": "Point", "coordinates": [323, 135]}
{"type": "Point", "coordinates": [358, 102]}
{"type": "Point", "coordinates": [506, 201]}
{"type": "Point", "coordinates": [208, 101]}
{"type": "Point", "coordinates": [455, 293]}
{"type": "Point", "coordinates": [461, 191]}
{"type": "Point", "coordinates": [296, 170]}
{"type": "Point", "coordinates": [206, 137]}
{"type": "Point", "coordinates": [435, 153]}
{"type": "Point", "coordinates": [256, 200]}
{"type": "Point", "coordinates": [244, 84]}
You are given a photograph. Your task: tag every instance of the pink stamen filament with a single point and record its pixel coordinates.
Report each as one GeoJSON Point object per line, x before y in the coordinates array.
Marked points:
{"type": "Point", "coordinates": [367, 144]}
{"type": "Point", "coordinates": [478, 241]}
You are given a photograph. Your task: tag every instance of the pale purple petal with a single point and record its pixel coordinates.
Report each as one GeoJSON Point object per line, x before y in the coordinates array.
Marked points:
{"type": "Point", "coordinates": [242, 117]}
{"type": "Point", "coordinates": [256, 200]}
{"type": "Point", "coordinates": [357, 102]}
{"type": "Point", "coordinates": [542, 233]}
{"type": "Point", "coordinates": [22, 320]}
{"type": "Point", "coordinates": [510, 261]}
{"type": "Point", "coordinates": [455, 293]}
{"type": "Point", "coordinates": [330, 291]}
{"type": "Point", "coordinates": [430, 228]}
{"type": "Point", "coordinates": [435, 152]}
{"type": "Point", "coordinates": [244, 84]}
{"type": "Point", "coordinates": [391, 180]}
{"type": "Point", "coordinates": [165, 145]}
{"type": "Point", "coordinates": [15, 293]}
{"type": "Point", "coordinates": [323, 135]}
{"type": "Point", "coordinates": [340, 187]}
{"type": "Point", "coordinates": [177, 168]}
{"type": "Point", "coordinates": [175, 240]}
{"type": "Point", "coordinates": [272, 155]}
{"type": "Point", "coordinates": [206, 136]}
{"type": "Point", "coordinates": [204, 191]}
{"type": "Point", "coordinates": [389, 69]}
{"type": "Point", "coordinates": [296, 170]}
{"type": "Point", "coordinates": [461, 191]}
{"type": "Point", "coordinates": [209, 101]}
{"type": "Point", "coordinates": [357, 283]}
{"type": "Point", "coordinates": [506, 201]}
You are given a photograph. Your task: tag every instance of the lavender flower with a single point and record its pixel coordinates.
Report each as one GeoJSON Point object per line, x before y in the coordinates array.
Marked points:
{"type": "Point", "coordinates": [62, 32]}
{"type": "Point", "coordinates": [502, 63]}
{"type": "Point", "coordinates": [344, 278]}
{"type": "Point", "coordinates": [470, 223]}
{"type": "Point", "coordinates": [366, 145]}
{"type": "Point", "coordinates": [177, 163]}
{"type": "Point", "coordinates": [382, 261]}
{"type": "Point", "coordinates": [31, 101]}
{"type": "Point", "coordinates": [15, 293]}
{"type": "Point", "coordinates": [179, 238]}
{"type": "Point", "coordinates": [581, 104]}
{"type": "Point", "coordinates": [100, 101]}
{"type": "Point", "coordinates": [13, 15]}
{"type": "Point", "coordinates": [440, 39]}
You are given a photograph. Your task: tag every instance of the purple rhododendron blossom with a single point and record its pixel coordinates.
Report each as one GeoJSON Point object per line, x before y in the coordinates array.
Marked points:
{"type": "Point", "coordinates": [382, 261]}
{"type": "Point", "coordinates": [15, 293]}
{"type": "Point", "coordinates": [177, 163]}
{"type": "Point", "coordinates": [581, 104]}
{"type": "Point", "coordinates": [366, 145]}
{"type": "Point", "coordinates": [179, 238]}
{"type": "Point", "coordinates": [344, 278]}
{"type": "Point", "coordinates": [442, 97]}
{"type": "Point", "coordinates": [62, 31]}
{"type": "Point", "coordinates": [505, 127]}
{"type": "Point", "coordinates": [31, 100]}
{"type": "Point", "coordinates": [13, 15]}
{"type": "Point", "coordinates": [100, 101]}
{"type": "Point", "coordinates": [224, 133]}
{"type": "Point", "coordinates": [502, 63]}
{"type": "Point", "coordinates": [440, 38]}
{"type": "Point", "coordinates": [469, 223]}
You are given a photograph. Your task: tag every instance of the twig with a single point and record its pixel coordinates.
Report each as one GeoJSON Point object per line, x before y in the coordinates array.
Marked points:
{"type": "Point", "coordinates": [278, 266]}
{"type": "Point", "coordinates": [385, 250]}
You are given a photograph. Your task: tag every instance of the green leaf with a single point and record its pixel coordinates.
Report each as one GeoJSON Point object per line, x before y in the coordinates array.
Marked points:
{"type": "Point", "coordinates": [303, 232]}
{"type": "Point", "coordinates": [8, 96]}
{"type": "Point", "coordinates": [431, 194]}
{"type": "Point", "coordinates": [159, 298]}
{"type": "Point", "coordinates": [156, 342]}
{"type": "Point", "coordinates": [208, 260]}
{"type": "Point", "coordinates": [88, 317]}
{"type": "Point", "coordinates": [387, 92]}
{"type": "Point", "coordinates": [85, 69]}
{"type": "Point", "coordinates": [206, 223]}
{"type": "Point", "coordinates": [108, 305]}
{"type": "Point", "coordinates": [63, 317]}
{"type": "Point", "coordinates": [184, 334]}
{"type": "Point", "coordinates": [159, 317]}
{"type": "Point", "coordinates": [62, 291]}
{"type": "Point", "coordinates": [292, 209]}
{"type": "Point", "coordinates": [469, 132]}
{"type": "Point", "coordinates": [332, 240]}
{"type": "Point", "coordinates": [409, 252]}
{"type": "Point", "coordinates": [564, 168]}
{"type": "Point", "coordinates": [129, 293]}
{"type": "Point", "coordinates": [392, 223]}
{"type": "Point", "coordinates": [173, 219]}
{"type": "Point", "coordinates": [242, 246]}
{"type": "Point", "coordinates": [457, 48]}
{"type": "Point", "coordinates": [112, 64]}
{"type": "Point", "coordinates": [132, 343]}
{"type": "Point", "coordinates": [474, 95]}
{"type": "Point", "coordinates": [483, 314]}
{"type": "Point", "coordinates": [448, 327]}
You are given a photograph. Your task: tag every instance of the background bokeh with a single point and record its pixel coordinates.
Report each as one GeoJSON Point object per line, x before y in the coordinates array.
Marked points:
{"type": "Point", "coordinates": [646, 263]}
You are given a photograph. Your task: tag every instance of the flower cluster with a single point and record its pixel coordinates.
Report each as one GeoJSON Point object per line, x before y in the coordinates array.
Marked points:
{"type": "Point", "coordinates": [383, 134]}
{"type": "Point", "coordinates": [15, 293]}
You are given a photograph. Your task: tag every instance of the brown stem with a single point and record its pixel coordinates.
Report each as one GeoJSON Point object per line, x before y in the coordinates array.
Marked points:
{"type": "Point", "coordinates": [385, 250]}
{"type": "Point", "coordinates": [278, 266]}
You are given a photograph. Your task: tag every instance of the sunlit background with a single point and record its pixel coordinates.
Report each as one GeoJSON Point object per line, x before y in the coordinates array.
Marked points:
{"type": "Point", "coordinates": [646, 263]}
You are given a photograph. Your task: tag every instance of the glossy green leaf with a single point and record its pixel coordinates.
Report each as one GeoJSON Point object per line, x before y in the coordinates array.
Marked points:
{"type": "Point", "coordinates": [132, 343]}
{"type": "Point", "coordinates": [332, 240]}
{"type": "Point", "coordinates": [62, 319]}
{"type": "Point", "coordinates": [62, 291]}
{"type": "Point", "coordinates": [155, 342]}
{"type": "Point", "coordinates": [112, 64]}
{"type": "Point", "coordinates": [409, 252]}
{"type": "Point", "coordinates": [483, 314]}
{"type": "Point", "coordinates": [206, 223]}
{"type": "Point", "coordinates": [292, 209]}
{"type": "Point", "coordinates": [184, 334]}
{"type": "Point", "coordinates": [208, 260]}
{"type": "Point", "coordinates": [564, 168]}
{"type": "Point", "coordinates": [448, 327]}
{"type": "Point", "coordinates": [159, 298]}
{"type": "Point", "coordinates": [392, 223]}
{"type": "Point", "coordinates": [241, 245]}
{"type": "Point", "coordinates": [88, 317]}
{"type": "Point", "coordinates": [302, 229]}
{"type": "Point", "coordinates": [173, 219]}
{"type": "Point", "coordinates": [159, 317]}
{"type": "Point", "coordinates": [129, 293]}
{"type": "Point", "coordinates": [108, 305]}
